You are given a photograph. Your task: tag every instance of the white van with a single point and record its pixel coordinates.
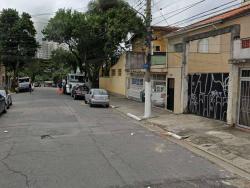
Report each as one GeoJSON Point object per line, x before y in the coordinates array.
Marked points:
{"type": "Point", "coordinates": [23, 84]}
{"type": "Point", "coordinates": [75, 79]}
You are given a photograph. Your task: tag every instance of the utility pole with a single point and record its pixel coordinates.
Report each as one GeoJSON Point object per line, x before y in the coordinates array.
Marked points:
{"type": "Point", "coordinates": [148, 105]}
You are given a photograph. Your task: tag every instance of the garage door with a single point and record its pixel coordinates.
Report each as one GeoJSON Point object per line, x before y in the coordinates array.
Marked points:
{"type": "Point", "coordinates": [208, 95]}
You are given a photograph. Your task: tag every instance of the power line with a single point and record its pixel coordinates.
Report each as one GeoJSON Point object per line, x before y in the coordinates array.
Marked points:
{"type": "Point", "coordinates": [200, 15]}
{"type": "Point", "coordinates": [187, 8]}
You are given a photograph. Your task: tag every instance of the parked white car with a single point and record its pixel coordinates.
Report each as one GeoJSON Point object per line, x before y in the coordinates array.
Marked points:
{"type": "Point", "coordinates": [97, 97]}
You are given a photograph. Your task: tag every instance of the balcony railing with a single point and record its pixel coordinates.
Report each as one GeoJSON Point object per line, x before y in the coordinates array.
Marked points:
{"type": "Point", "coordinates": [135, 60]}
{"type": "Point", "coordinates": [159, 58]}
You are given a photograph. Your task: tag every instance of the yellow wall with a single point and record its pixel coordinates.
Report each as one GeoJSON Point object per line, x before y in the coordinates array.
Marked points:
{"type": "Point", "coordinates": [210, 62]}
{"type": "Point", "coordinates": [213, 61]}
{"type": "Point", "coordinates": [160, 40]}
{"type": "Point", "coordinates": [174, 59]}
{"type": "Point", "coordinates": [115, 84]}
{"type": "Point", "coordinates": [138, 45]}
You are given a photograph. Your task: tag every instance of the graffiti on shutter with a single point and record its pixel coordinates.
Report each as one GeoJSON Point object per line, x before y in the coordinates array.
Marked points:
{"type": "Point", "coordinates": [208, 95]}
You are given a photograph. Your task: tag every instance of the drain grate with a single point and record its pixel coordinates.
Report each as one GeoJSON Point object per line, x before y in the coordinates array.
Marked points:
{"type": "Point", "coordinates": [45, 136]}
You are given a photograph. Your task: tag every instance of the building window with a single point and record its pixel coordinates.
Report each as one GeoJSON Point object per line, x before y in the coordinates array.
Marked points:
{"type": "Point", "coordinates": [137, 81]}
{"type": "Point", "coordinates": [178, 47]}
{"type": "Point", "coordinates": [157, 48]}
{"type": "Point", "coordinates": [245, 73]}
{"type": "Point", "coordinates": [245, 43]}
{"type": "Point", "coordinates": [203, 46]}
{"type": "Point", "coordinates": [119, 72]}
{"type": "Point", "coordinates": [113, 72]}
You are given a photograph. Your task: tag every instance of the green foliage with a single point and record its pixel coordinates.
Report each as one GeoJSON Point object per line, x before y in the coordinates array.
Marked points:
{"type": "Point", "coordinates": [94, 37]}
{"type": "Point", "coordinates": [63, 59]}
{"type": "Point", "coordinates": [17, 39]}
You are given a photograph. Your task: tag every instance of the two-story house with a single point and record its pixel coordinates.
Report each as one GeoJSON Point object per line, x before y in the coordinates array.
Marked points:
{"type": "Point", "coordinates": [208, 67]}
{"type": "Point", "coordinates": [135, 61]}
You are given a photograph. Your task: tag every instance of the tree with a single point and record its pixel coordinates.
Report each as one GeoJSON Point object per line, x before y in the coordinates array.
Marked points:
{"type": "Point", "coordinates": [63, 58]}
{"type": "Point", "coordinates": [95, 37]}
{"type": "Point", "coordinates": [17, 40]}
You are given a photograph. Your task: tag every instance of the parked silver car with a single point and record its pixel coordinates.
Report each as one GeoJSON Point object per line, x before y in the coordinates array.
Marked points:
{"type": "Point", "coordinates": [7, 96]}
{"type": "Point", "coordinates": [97, 97]}
{"type": "Point", "coordinates": [3, 105]}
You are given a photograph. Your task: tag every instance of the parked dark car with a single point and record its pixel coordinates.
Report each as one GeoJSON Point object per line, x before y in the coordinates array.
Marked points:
{"type": "Point", "coordinates": [79, 92]}
{"type": "Point", "coordinates": [3, 105]}
{"type": "Point", "coordinates": [7, 96]}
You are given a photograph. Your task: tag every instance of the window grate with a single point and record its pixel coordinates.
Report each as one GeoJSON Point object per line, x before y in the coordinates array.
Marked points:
{"type": "Point", "coordinates": [245, 73]}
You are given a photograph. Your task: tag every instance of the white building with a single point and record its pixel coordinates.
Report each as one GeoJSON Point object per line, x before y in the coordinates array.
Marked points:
{"type": "Point", "coordinates": [47, 47]}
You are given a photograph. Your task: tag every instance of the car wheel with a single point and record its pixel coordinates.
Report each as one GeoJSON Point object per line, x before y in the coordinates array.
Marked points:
{"type": "Point", "coordinates": [5, 108]}
{"type": "Point", "coordinates": [90, 104]}
{"type": "Point", "coordinates": [107, 106]}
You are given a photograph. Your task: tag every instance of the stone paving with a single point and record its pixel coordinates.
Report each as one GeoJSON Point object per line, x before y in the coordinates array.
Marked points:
{"type": "Point", "coordinates": [215, 137]}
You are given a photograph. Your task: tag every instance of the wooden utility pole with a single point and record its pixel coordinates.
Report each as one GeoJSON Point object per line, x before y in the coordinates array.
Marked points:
{"type": "Point", "coordinates": [148, 91]}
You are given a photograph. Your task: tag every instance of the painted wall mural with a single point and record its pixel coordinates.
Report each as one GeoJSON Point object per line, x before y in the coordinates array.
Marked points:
{"type": "Point", "coordinates": [208, 95]}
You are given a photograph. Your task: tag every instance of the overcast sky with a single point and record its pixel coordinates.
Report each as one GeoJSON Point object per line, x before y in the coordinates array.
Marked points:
{"type": "Point", "coordinates": [161, 17]}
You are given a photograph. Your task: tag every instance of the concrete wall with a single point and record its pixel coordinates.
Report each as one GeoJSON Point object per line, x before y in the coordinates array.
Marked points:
{"type": "Point", "coordinates": [240, 53]}
{"type": "Point", "coordinates": [176, 74]}
{"type": "Point", "coordinates": [115, 84]}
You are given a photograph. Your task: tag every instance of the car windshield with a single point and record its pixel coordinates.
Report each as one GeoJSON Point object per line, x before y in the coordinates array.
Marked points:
{"type": "Point", "coordinates": [23, 80]}
{"type": "Point", "coordinates": [100, 92]}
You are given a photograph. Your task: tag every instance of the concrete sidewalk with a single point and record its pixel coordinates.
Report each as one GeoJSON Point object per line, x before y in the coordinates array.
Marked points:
{"type": "Point", "coordinates": [214, 137]}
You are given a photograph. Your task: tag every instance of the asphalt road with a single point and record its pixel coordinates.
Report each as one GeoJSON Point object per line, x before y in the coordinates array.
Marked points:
{"type": "Point", "coordinates": [53, 141]}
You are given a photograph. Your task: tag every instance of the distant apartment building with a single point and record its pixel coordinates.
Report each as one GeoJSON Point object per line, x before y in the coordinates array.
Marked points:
{"type": "Point", "coordinates": [47, 47]}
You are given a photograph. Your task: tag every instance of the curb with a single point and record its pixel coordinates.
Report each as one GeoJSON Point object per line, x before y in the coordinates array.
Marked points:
{"type": "Point", "coordinates": [134, 117]}
{"type": "Point", "coordinates": [113, 106]}
{"type": "Point", "coordinates": [190, 144]}
{"type": "Point", "coordinates": [180, 140]}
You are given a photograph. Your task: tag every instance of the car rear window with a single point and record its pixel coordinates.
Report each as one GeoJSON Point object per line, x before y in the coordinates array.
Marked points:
{"type": "Point", "coordinates": [100, 92]}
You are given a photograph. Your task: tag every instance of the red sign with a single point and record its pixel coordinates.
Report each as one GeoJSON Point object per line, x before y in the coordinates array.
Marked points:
{"type": "Point", "coordinates": [245, 43]}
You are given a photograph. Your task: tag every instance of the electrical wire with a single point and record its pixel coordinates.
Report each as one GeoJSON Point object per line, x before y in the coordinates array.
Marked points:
{"type": "Point", "coordinates": [181, 11]}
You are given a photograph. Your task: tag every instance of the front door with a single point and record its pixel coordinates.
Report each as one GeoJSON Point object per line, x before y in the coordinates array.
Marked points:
{"type": "Point", "coordinates": [170, 94]}
{"type": "Point", "coordinates": [244, 108]}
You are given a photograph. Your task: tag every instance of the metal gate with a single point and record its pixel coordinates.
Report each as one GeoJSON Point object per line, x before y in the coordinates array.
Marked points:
{"type": "Point", "coordinates": [208, 95]}
{"type": "Point", "coordinates": [244, 105]}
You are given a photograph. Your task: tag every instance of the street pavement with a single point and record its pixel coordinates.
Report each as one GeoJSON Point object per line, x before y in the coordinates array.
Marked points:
{"type": "Point", "coordinates": [51, 141]}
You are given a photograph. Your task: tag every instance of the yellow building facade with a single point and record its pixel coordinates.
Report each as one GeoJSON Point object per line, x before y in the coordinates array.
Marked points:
{"type": "Point", "coordinates": [116, 81]}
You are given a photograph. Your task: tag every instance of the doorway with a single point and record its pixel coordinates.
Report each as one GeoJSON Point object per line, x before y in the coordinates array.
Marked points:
{"type": "Point", "coordinates": [170, 94]}
{"type": "Point", "coordinates": [244, 105]}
